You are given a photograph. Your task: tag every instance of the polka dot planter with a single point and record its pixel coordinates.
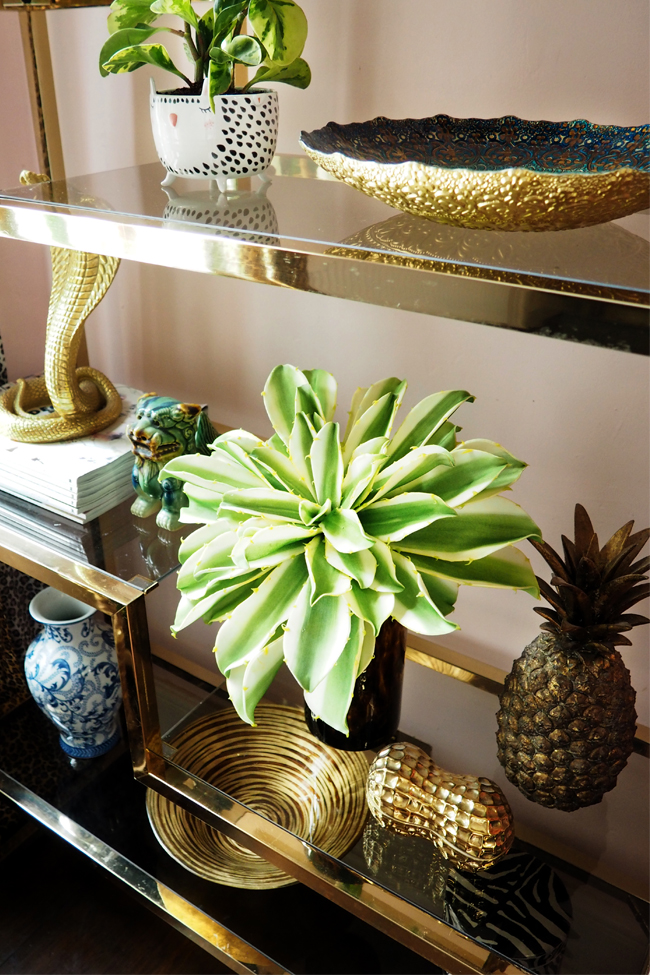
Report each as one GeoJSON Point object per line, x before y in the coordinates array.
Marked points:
{"type": "Point", "coordinates": [237, 139]}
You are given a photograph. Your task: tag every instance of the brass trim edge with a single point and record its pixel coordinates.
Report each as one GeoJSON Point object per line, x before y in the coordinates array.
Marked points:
{"type": "Point", "coordinates": [195, 924]}
{"type": "Point", "coordinates": [411, 926]}
{"type": "Point", "coordinates": [564, 315]}
{"type": "Point", "coordinates": [78, 579]}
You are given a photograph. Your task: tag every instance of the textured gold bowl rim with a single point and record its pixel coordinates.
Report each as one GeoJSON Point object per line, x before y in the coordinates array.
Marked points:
{"type": "Point", "coordinates": [329, 781]}
{"type": "Point", "coordinates": [515, 199]}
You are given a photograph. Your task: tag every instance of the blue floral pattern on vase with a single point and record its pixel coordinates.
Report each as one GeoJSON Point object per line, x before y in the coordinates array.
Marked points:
{"type": "Point", "coordinates": [72, 674]}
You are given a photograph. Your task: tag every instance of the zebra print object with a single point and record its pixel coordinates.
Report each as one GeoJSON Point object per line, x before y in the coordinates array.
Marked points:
{"type": "Point", "coordinates": [519, 907]}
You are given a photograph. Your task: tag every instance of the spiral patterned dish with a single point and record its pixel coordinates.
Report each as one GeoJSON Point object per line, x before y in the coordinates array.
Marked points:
{"type": "Point", "coordinates": [502, 173]}
{"type": "Point", "coordinates": [277, 769]}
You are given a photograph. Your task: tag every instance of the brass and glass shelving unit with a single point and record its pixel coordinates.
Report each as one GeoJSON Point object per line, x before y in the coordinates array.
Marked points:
{"type": "Point", "coordinates": [312, 234]}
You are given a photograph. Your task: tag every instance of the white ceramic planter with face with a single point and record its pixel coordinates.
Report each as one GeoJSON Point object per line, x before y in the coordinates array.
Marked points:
{"type": "Point", "coordinates": [237, 139]}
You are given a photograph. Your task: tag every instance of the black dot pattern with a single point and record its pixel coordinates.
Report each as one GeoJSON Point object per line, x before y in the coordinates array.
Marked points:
{"type": "Point", "coordinates": [244, 134]}
{"type": "Point", "coordinates": [252, 219]}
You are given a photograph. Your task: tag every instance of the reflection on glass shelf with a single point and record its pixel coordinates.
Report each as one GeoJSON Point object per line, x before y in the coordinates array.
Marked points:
{"type": "Point", "coordinates": [300, 210]}
{"type": "Point", "coordinates": [241, 215]}
{"type": "Point", "coordinates": [596, 256]}
{"type": "Point", "coordinates": [544, 915]}
{"type": "Point", "coordinates": [116, 542]}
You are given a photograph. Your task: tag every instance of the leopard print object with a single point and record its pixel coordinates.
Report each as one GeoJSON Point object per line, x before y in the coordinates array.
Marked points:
{"type": "Point", "coordinates": [17, 628]}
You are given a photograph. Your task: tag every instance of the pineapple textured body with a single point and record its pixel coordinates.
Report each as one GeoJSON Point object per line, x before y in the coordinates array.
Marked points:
{"type": "Point", "coordinates": [567, 721]}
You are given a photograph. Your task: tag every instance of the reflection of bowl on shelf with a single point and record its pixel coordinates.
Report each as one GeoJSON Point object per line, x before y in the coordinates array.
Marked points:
{"type": "Point", "coordinates": [277, 769]}
{"type": "Point", "coordinates": [505, 173]}
{"type": "Point", "coordinates": [587, 260]}
{"type": "Point", "coordinates": [243, 215]}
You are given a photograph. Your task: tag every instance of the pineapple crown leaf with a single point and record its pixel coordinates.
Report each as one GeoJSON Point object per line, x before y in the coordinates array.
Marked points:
{"type": "Point", "coordinates": [592, 587]}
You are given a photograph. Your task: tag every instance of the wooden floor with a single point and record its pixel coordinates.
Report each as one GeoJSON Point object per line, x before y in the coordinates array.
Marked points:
{"type": "Point", "coordinates": [62, 915]}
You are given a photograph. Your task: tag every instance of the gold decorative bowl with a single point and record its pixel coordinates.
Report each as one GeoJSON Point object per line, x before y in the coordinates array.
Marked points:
{"type": "Point", "coordinates": [276, 768]}
{"type": "Point", "coordinates": [492, 174]}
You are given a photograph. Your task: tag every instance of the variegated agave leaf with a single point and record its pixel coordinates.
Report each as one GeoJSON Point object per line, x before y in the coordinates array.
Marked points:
{"type": "Point", "coordinates": [309, 542]}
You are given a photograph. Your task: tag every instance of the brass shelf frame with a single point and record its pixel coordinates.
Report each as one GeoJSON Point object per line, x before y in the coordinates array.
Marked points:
{"type": "Point", "coordinates": [125, 603]}
{"type": "Point", "coordinates": [153, 764]}
{"type": "Point", "coordinates": [599, 315]}
{"type": "Point", "coordinates": [202, 929]}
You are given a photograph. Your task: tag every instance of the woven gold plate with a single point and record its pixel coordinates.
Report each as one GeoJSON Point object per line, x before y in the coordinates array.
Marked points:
{"type": "Point", "coordinates": [279, 770]}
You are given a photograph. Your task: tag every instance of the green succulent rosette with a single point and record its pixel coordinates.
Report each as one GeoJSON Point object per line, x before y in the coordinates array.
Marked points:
{"type": "Point", "coordinates": [309, 542]}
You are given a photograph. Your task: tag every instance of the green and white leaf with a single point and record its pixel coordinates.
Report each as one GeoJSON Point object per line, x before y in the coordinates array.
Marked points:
{"type": "Point", "coordinates": [507, 568]}
{"type": "Point", "coordinates": [300, 443]}
{"type": "Point", "coordinates": [325, 580]}
{"type": "Point", "coordinates": [375, 422]}
{"type": "Point", "coordinates": [424, 419]}
{"type": "Point", "coordinates": [265, 502]}
{"type": "Point", "coordinates": [327, 464]}
{"type": "Point", "coordinates": [248, 683]}
{"type": "Point", "coordinates": [360, 566]}
{"type": "Point", "coordinates": [253, 622]}
{"type": "Point", "coordinates": [370, 605]}
{"type": "Point", "coordinates": [392, 519]}
{"type": "Point", "coordinates": [401, 474]}
{"type": "Point", "coordinates": [511, 472]}
{"type": "Point", "coordinates": [130, 58]}
{"type": "Point", "coordinates": [215, 605]}
{"type": "Point", "coordinates": [281, 26]}
{"type": "Point", "coordinates": [325, 387]}
{"type": "Point", "coordinates": [331, 699]}
{"type": "Point", "coordinates": [246, 50]}
{"type": "Point", "coordinates": [359, 478]}
{"type": "Point", "coordinates": [344, 531]}
{"type": "Point", "coordinates": [280, 398]}
{"type": "Point", "coordinates": [284, 470]}
{"type": "Point", "coordinates": [482, 527]}
{"type": "Point", "coordinates": [315, 637]}
{"type": "Point", "coordinates": [414, 607]}
{"type": "Point", "coordinates": [218, 472]}
{"type": "Point", "coordinates": [129, 13]}
{"type": "Point", "coordinates": [384, 579]}
{"type": "Point", "coordinates": [126, 37]}
{"type": "Point", "coordinates": [271, 545]}
{"type": "Point", "coordinates": [472, 472]}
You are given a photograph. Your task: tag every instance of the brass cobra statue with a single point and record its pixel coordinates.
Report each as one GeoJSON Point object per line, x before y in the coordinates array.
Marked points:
{"type": "Point", "coordinates": [83, 399]}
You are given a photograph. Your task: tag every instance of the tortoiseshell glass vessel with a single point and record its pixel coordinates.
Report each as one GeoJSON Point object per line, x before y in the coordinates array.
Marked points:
{"type": "Point", "coordinates": [373, 717]}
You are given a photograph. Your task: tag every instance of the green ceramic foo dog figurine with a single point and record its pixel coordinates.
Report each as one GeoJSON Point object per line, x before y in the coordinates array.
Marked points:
{"type": "Point", "coordinates": [164, 428]}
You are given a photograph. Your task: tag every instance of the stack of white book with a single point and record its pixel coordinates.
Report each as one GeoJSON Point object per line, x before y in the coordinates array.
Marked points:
{"type": "Point", "coordinates": [79, 479]}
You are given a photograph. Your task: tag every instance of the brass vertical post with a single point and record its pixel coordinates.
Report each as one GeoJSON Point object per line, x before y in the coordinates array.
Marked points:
{"type": "Point", "coordinates": [40, 81]}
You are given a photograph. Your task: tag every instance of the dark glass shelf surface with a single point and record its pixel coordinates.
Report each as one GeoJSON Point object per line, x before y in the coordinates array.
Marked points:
{"type": "Point", "coordinates": [302, 931]}
{"type": "Point", "coordinates": [541, 913]}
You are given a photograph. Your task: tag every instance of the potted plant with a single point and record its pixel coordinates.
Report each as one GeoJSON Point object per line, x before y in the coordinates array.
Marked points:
{"type": "Point", "coordinates": [311, 545]}
{"type": "Point", "coordinates": [208, 128]}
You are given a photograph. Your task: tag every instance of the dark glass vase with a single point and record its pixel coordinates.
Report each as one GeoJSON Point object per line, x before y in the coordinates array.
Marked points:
{"type": "Point", "coordinates": [374, 713]}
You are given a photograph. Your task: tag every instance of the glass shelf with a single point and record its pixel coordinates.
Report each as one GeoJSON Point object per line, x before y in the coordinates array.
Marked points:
{"type": "Point", "coordinates": [99, 809]}
{"type": "Point", "coordinates": [115, 560]}
{"type": "Point", "coordinates": [588, 921]}
{"type": "Point", "coordinates": [307, 231]}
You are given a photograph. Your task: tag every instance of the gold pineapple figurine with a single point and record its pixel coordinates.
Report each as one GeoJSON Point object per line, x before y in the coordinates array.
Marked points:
{"type": "Point", "coordinates": [467, 818]}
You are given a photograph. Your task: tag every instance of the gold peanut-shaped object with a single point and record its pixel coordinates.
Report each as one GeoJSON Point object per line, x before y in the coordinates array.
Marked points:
{"type": "Point", "coordinates": [467, 818]}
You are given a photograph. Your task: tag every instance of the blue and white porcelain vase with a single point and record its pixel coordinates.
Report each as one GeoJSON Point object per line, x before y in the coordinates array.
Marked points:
{"type": "Point", "coordinates": [72, 673]}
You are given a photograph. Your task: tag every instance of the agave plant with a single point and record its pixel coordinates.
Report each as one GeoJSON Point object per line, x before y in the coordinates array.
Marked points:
{"type": "Point", "coordinates": [310, 542]}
